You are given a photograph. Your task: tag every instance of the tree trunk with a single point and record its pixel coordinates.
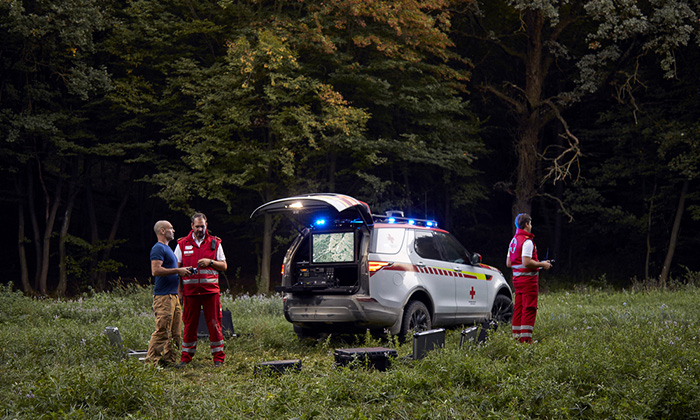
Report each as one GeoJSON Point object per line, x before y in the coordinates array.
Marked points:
{"type": "Point", "coordinates": [62, 258]}
{"type": "Point", "coordinates": [21, 240]}
{"type": "Point", "coordinates": [558, 223]}
{"type": "Point", "coordinates": [102, 276]}
{"type": "Point", "coordinates": [674, 235]}
{"type": "Point", "coordinates": [35, 227]}
{"type": "Point", "coordinates": [94, 231]}
{"type": "Point", "coordinates": [264, 281]}
{"type": "Point", "coordinates": [651, 212]}
{"type": "Point", "coordinates": [525, 188]}
{"type": "Point", "coordinates": [50, 218]}
{"type": "Point", "coordinates": [531, 116]}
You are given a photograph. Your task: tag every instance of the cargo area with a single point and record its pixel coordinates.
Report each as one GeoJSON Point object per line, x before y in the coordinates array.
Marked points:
{"type": "Point", "coordinates": [307, 275]}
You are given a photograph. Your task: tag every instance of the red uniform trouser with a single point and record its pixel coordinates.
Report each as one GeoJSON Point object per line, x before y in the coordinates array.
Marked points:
{"type": "Point", "coordinates": [525, 308]}
{"type": "Point", "coordinates": [211, 304]}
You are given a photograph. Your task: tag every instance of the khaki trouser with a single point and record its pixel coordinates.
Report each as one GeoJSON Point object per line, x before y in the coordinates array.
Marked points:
{"type": "Point", "coordinates": [166, 339]}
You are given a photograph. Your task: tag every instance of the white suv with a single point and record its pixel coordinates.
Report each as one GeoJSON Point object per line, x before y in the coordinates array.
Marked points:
{"type": "Point", "coordinates": [349, 271]}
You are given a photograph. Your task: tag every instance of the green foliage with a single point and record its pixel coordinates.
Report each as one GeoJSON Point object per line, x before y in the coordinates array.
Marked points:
{"type": "Point", "coordinates": [597, 355]}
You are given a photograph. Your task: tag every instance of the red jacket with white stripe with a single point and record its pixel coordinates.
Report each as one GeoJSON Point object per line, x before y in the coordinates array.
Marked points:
{"type": "Point", "coordinates": [206, 281]}
{"type": "Point", "coordinates": [515, 252]}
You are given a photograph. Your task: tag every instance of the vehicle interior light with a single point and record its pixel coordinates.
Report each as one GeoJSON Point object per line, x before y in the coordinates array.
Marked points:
{"type": "Point", "coordinates": [296, 205]}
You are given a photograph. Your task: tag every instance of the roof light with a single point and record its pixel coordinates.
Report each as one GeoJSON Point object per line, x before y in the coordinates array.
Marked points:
{"type": "Point", "coordinates": [320, 222]}
{"type": "Point", "coordinates": [393, 219]}
{"type": "Point", "coordinates": [296, 205]}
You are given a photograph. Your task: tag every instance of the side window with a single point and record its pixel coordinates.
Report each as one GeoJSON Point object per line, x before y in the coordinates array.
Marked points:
{"type": "Point", "coordinates": [426, 246]}
{"type": "Point", "coordinates": [387, 241]}
{"type": "Point", "coordinates": [454, 251]}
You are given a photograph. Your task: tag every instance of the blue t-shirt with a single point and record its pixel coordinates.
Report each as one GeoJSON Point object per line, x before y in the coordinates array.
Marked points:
{"type": "Point", "coordinates": [165, 285]}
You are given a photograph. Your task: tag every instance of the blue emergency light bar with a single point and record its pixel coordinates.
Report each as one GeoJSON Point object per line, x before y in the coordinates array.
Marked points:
{"type": "Point", "coordinates": [392, 219]}
{"type": "Point", "coordinates": [323, 223]}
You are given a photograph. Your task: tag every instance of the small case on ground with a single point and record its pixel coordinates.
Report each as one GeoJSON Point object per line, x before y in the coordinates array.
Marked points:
{"type": "Point", "coordinates": [277, 367]}
{"type": "Point", "coordinates": [477, 333]}
{"type": "Point", "coordinates": [375, 357]}
{"type": "Point", "coordinates": [425, 341]}
{"type": "Point", "coordinates": [226, 327]}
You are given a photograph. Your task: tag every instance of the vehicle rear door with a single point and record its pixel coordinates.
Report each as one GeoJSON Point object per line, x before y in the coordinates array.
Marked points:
{"type": "Point", "coordinates": [316, 205]}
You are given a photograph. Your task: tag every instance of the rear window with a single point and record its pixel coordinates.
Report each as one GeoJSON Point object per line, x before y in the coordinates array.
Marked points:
{"type": "Point", "coordinates": [387, 240]}
{"type": "Point", "coordinates": [426, 246]}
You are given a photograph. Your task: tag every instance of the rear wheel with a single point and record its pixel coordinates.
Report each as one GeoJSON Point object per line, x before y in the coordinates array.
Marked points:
{"type": "Point", "coordinates": [416, 317]}
{"type": "Point", "coordinates": [502, 309]}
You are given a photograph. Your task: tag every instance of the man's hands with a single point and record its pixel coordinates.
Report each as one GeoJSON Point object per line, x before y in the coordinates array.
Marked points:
{"type": "Point", "coordinates": [205, 262]}
{"type": "Point", "coordinates": [530, 263]}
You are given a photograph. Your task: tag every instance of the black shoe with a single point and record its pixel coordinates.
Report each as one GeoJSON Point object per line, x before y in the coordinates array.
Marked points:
{"type": "Point", "coordinates": [218, 364]}
{"type": "Point", "coordinates": [180, 365]}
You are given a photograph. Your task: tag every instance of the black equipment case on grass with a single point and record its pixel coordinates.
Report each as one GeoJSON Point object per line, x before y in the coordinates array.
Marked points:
{"type": "Point", "coordinates": [277, 367]}
{"type": "Point", "coordinates": [226, 327]}
{"type": "Point", "coordinates": [477, 333]}
{"type": "Point", "coordinates": [425, 341]}
{"type": "Point", "coordinates": [376, 357]}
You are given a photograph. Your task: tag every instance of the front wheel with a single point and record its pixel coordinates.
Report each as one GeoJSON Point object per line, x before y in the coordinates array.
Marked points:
{"type": "Point", "coordinates": [502, 309]}
{"type": "Point", "coordinates": [416, 317]}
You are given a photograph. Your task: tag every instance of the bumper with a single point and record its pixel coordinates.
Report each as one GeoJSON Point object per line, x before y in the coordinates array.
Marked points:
{"type": "Point", "coordinates": [357, 310]}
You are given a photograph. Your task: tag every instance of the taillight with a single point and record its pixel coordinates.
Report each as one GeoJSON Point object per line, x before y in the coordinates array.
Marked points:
{"type": "Point", "coordinates": [282, 270]}
{"type": "Point", "coordinates": [377, 265]}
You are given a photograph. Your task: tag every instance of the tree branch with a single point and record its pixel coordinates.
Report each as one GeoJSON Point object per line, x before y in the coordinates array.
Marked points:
{"type": "Point", "coordinates": [561, 205]}
{"type": "Point", "coordinates": [519, 107]}
{"type": "Point", "coordinates": [567, 157]}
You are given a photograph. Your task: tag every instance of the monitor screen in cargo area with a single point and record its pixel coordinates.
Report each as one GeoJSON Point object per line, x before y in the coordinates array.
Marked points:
{"type": "Point", "coordinates": [333, 247]}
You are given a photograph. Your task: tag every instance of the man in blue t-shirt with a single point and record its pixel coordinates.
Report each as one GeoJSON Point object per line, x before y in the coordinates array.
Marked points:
{"type": "Point", "coordinates": [164, 346]}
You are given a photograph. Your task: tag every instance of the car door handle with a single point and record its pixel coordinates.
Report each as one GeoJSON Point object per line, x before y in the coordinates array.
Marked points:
{"type": "Point", "coordinates": [420, 264]}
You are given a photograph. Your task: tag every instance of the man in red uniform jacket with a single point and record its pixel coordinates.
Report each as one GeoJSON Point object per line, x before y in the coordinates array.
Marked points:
{"type": "Point", "coordinates": [200, 289]}
{"type": "Point", "coordinates": [522, 258]}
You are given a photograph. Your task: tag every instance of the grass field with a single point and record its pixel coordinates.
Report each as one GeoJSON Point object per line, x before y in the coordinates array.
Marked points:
{"type": "Point", "coordinates": [599, 354]}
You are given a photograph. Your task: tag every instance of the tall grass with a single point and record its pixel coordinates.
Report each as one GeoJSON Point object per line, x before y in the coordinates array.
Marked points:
{"type": "Point", "coordinates": [597, 355]}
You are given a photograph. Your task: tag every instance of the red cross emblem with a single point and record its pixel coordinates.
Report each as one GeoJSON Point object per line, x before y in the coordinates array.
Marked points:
{"type": "Point", "coordinates": [472, 293]}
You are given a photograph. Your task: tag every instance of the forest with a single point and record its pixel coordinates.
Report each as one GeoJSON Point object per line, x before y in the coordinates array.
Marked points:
{"type": "Point", "coordinates": [117, 113]}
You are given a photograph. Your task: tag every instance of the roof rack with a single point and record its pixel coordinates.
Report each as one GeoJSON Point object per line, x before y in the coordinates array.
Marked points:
{"type": "Point", "coordinates": [395, 216]}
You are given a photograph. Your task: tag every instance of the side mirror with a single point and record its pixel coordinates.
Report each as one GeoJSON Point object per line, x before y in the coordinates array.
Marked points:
{"type": "Point", "coordinates": [476, 259]}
